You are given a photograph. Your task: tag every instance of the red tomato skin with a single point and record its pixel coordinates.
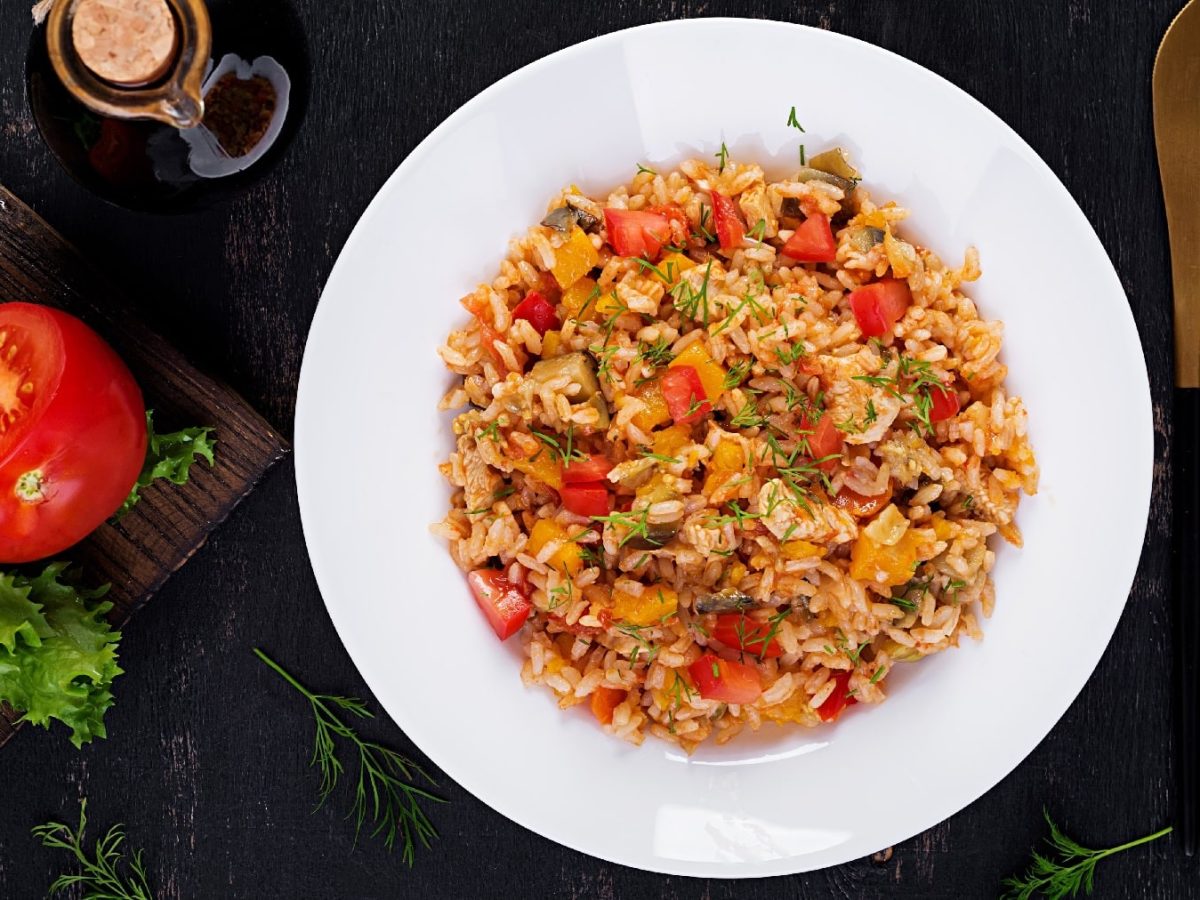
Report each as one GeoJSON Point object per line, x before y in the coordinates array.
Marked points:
{"type": "Point", "coordinates": [731, 232]}
{"type": "Point", "coordinates": [85, 433]}
{"type": "Point", "coordinates": [503, 603]}
{"type": "Point", "coordinates": [880, 305]}
{"type": "Point", "coordinates": [589, 498]}
{"type": "Point", "coordinates": [824, 440]}
{"type": "Point", "coordinates": [944, 404]}
{"type": "Point", "coordinates": [732, 682]}
{"type": "Point", "coordinates": [740, 632]}
{"type": "Point", "coordinates": [836, 702]}
{"type": "Point", "coordinates": [636, 232]}
{"type": "Point", "coordinates": [812, 242]}
{"type": "Point", "coordinates": [594, 468]}
{"type": "Point", "coordinates": [537, 311]}
{"type": "Point", "coordinates": [680, 227]}
{"type": "Point", "coordinates": [681, 388]}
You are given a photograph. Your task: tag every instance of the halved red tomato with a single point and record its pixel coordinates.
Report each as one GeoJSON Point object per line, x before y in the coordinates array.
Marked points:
{"type": "Point", "coordinates": [836, 702]}
{"type": "Point", "coordinates": [586, 498]}
{"type": "Point", "coordinates": [944, 404]}
{"type": "Point", "coordinates": [537, 311]}
{"type": "Point", "coordinates": [684, 392]}
{"type": "Point", "coordinates": [731, 231]}
{"type": "Point", "coordinates": [725, 680]}
{"type": "Point", "coordinates": [592, 468]}
{"type": "Point", "coordinates": [637, 232]}
{"type": "Point", "coordinates": [879, 306]}
{"type": "Point", "coordinates": [739, 631]}
{"type": "Point", "coordinates": [812, 241]}
{"type": "Point", "coordinates": [503, 603]}
{"type": "Point", "coordinates": [72, 431]}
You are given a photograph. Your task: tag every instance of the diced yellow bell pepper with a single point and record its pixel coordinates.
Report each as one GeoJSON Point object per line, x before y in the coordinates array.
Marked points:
{"type": "Point", "coordinates": [551, 342]}
{"type": "Point", "coordinates": [543, 467]}
{"type": "Point", "coordinates": [575, 300]}
{"type": "Point", "coordinates": [566, 558]}
{"type": "Point", "coordinates": [670, 441]}
{"type": "Point", "coordinates": [794, 709]}
{"type": "Point", "coordinates": [673, 265]}
{"type": "Point", "coordinates": [574, 259]}
{"type": "Point", "coordinates": [727, 459]}
{"type": "Point", "coordinates": [655, 604]}
{"type": "Point", "coordinates": [942, 528]}
{"type": "Point", "coordinates": [733, 576]}
{"type": "Point", "coordinates": [869, 559]}
{"type": "Point", "coordinates": [800, 550]}
{"type": "Point", "coordinates": [656, 411]}
{"type": "Point", "coordinates": [712, 375]}
{"type": "Point", "coordinates": [608, 304]}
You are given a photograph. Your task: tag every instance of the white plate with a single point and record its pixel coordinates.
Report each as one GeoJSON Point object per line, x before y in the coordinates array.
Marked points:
{"type": "Point", "coordinates": [368, 438]}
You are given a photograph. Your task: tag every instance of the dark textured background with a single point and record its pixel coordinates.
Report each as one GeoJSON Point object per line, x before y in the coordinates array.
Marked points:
{"type": "Point", "coordinates": [207, 757]}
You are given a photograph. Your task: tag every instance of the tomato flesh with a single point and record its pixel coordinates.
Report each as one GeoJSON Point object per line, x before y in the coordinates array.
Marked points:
{"type": "Point", "coordinates": [812, 241]}
{"type": "Point", "coordinates": [604, 701]}
{"type": "Point", "coordinates": [637, 232]}
{"type": "Point", "coordinates": [72, 431]}
{"type": "Point", "coordinates": [731, 232]}
{"type": "Point", "coordinates": [594, 468]}
{"type": "Point", "coordinates": [825, 440]}
{"type": "Point", "coordinates": [944, 404]}
{"type": "Point", "coordinates": [725, 679]}
{"type": "Point", "coordinates": [684, 392]}
{"type": "Point", "coordinates": [836, 702]}
{"type": "Point", "coordinates": [503, 603]}
{"type": "Point", "coordinates": [537, 311]}
{"type": "Point", "coordinates": [879, 306]}
{"type": "Point", "coordinates": [586, 498]}
{"type": "Point", "coordinates": [739, 631]}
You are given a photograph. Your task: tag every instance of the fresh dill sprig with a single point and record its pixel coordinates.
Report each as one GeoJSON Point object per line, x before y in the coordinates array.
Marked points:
{"type": "Point", "coordinates": [645, 169]}
{"type": "Point", "coordinates": [1075, 867]}
{"type": "Point", "coordinates": [722, 156]}
{"type": "Point", "coordinates": [386, 792]}
{"type": "Point", "coordinates": [793, 122]}
{"type": "Point", "coordinates": [100, 878]}
{"type": "Point", "coordinates": [736, 375]}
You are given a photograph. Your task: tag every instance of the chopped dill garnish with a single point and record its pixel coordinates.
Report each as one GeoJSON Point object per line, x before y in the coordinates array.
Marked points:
{"type": "Point", "coordinates": [722, 156]}
{"type": "Point", "coordinates": [645, 169]}
{"type": "Point", "coordinates": [736, 375]}
{"type": "Point", "coordinates": [792, 121]}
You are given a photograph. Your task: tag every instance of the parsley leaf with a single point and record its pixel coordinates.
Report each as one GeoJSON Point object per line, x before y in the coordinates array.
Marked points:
{"type": "Point", "coordinates": [169, 456]}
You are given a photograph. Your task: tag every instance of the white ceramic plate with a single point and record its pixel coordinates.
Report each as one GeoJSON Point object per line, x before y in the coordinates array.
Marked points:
{"type": "Point", "coordinates": [368, 438]}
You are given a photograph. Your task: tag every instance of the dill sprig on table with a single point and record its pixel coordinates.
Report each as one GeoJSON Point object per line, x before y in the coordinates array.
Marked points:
{"type": "Point", "coordinates": [1074, 868]}
{"type": "Point", "coordinates": [100, 878]}
{"type": "Point", "coordinates": [386, 792]}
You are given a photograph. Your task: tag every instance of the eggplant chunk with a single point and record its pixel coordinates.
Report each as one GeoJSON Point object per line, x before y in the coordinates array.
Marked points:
{"type": "Point", "coordinates": [836, 162]}
{"type": "Point", "coordinates": [727, 601]}
{"type": "Point", "coordinates": [576, 366]}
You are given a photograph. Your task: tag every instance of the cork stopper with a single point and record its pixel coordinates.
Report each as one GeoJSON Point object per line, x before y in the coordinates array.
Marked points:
{"type": "Point", "coordinates": [125, 42]}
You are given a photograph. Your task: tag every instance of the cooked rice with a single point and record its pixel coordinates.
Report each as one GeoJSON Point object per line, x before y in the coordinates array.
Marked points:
{"type": "Point", "coordinates": [785, 544]}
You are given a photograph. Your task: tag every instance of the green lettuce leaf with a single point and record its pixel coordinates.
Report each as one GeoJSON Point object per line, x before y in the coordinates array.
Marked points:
{"type": "Point", "coordinates": [58, 654]}
{"type": "Point", "coordinates": [169, 456]}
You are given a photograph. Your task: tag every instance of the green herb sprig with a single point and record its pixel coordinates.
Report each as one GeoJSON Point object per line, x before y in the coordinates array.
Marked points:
{"type": "Point", "coordinates": [1073, 869]}
{"type": "Point", "coordinates": [169, 456]}
{"type": "Point", "coordinates": [100, 878]}
{"type": "Point", "coordinates": [386, 792]}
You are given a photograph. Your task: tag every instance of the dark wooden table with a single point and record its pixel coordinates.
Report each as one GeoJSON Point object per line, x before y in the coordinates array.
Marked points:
{"type": "Point", "coordinates": [207, 758]}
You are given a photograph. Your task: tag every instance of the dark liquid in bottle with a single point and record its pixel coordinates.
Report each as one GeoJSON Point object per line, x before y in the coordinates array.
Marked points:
{"type": "Point", "coordinates": [147, 165]}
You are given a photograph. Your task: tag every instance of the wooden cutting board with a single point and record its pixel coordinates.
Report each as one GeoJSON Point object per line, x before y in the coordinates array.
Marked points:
{"type": "Point", "coordinates": [171, 522]}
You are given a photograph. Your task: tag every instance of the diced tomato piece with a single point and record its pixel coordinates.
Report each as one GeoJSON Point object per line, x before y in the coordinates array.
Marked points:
{"type": "Point", "coordinates": [812, 241]}
{"type": "Point", "coordinates": [731, 230]}
{"type": "Point", "coordinates": [503, 602]}
{"type": "Point", "coordinates": [944, 405]}
{"type": "Point", "coordinates": [588, 498]}
{"type": "Point", "coordinates": [537, 311]}
{"type": "Point", "coordinates": [838, 700]}
{"type": "Point", "coordinates": [739, 631]}
{"type": "Point", "coordinates": [824, 440]}
{"type": "Point", "coordinates": [860, 505]}
{"type": "Point", "coordinates": [879, 306]}
{"type": "Point", "coordinates": [684, 392]}
{"type": "Point", "coordinates": [487, 339]}
{"type": "Point", "coordinates": [680, 226]}
{"type": "Point", "coordinates": [637, 232]}
{"type": "Point", "coordinates": [725, 680]}
{"type": "Point", "coordinates": [593, 468]}
{"type": "Point", "coordinates": [604, 701]}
